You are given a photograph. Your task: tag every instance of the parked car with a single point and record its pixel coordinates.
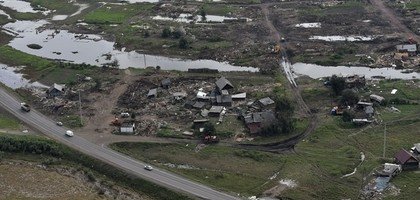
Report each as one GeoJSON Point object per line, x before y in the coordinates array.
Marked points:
{"type": "Point", "coordinates": [60, 123]}
{"type": "Point", "coordinates": [148, 167]}
{"type": "Point", "coordinates": [69, 133]}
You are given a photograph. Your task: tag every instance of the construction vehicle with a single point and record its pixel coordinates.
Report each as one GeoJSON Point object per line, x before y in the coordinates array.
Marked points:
{"type": "Point", "coordinates": [208, 139]}
{"type": "Point", "coordinates": [25, 107]}
{"type": "Point", "coordinates": [116, 122]}
{"type": "Point", "coordinates": [276, 49]}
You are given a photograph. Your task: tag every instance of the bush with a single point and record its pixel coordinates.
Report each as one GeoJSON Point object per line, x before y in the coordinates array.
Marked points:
{"type": "Point", "coordinates": [338, 84]}
{"type": "Point", "coordinates": [166, 32]}
{"type": "Point", "coordinates": [183, 43]}
{"type": "Point", "coordinates": [349, 97]}
{"type": "Point", "coordinates": [347, 116]}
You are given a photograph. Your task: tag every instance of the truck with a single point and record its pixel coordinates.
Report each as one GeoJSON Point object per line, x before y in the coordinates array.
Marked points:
{"type": "Point", "coordinates": [25, 107]}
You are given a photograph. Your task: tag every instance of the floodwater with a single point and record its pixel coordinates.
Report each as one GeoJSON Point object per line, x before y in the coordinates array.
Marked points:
{"type": "Point", "coordinates": [92, 49]}
{"type": "Point", "coordinates": [309, 25]}
{"type": "Point", "coordinates": [20, 6]}
{"type": "Point", "coordinates": [142, 1]}
{"type": "Point", "coordinates": [337, 38]}
{"type": "Point", "coordinates": [317, 71]}
{"type": "Point", "coordinates": [14, 80]}
{"type": "Point", "coordinates": [59, 17]}
{"type": "Point", "coordinates": [188, 18]}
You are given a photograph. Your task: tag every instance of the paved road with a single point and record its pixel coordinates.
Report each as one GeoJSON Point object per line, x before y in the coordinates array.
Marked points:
{"type": "Point", "coordinates": [160, 177]}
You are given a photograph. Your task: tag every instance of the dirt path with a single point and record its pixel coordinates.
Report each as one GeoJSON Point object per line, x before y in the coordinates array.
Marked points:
{"type": "Point", "coordinates": [304, 110]}
{"type": "Point", "coordinates": [394, 20]}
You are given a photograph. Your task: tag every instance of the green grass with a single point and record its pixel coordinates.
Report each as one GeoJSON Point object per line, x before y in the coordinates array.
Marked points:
{"type": "Point", "coordinates": [14, 57]}
{"type": "Point", "coordinates": [219, 9]}
{"type": "Point", "coordinates": [117, 14]}
{"type": "Point", "coordinates": [6, 122]}
{"type": "Point", "coordinates": [414, 4]}
{"type": "Point", "coordinates": [61, 7]}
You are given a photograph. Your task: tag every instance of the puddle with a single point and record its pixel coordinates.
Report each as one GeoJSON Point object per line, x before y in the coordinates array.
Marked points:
{"type": "Point", "coordinates": [337, 38]}
{"type": "Point", "coordinates": [5, 14]}
{"type": "Point", "coordinates": [59, 17]}
{"type": "Point", "coordinates": [188, 18]}
{"type": "Point", "coordinates": [317, 71]}
{"type": "Point", "coordinates": [15, 80]}
{"type": "Point", "coordinates": [142, 1]}
{"type": "Point", "coordinates": [381, 183]}
{"type": "Point", "coordinates": [90, 49]}
{"type": "Point", "coordinates": [22, 6]}
{"type": "Point", "coordinates": [309, 25]}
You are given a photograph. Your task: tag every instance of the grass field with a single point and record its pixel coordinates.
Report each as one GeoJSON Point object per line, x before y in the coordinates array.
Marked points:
{"type": "Point", "coordinates": [6, 122]}
{"type": "Point", "coordinates": [116, 14]}
{"type": "Point", "coordinates": [23, 180]}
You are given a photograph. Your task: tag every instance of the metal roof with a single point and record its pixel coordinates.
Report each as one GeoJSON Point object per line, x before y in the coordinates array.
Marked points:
{"type": "Point", "coordinates": [223, 83]}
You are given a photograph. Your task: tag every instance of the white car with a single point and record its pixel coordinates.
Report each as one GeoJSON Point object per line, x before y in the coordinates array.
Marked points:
{"type": "Point", "coordinates": [69, 133]}
{"type": "Point", "coordinates": [59, 123]}
{"type": "Point", "coordinates": [148, 167]}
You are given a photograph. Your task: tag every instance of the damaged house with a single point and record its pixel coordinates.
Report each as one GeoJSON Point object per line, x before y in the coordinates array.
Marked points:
{"type": "Point", "coordinates": [55, 90]}
{"type": "Point", "coordinates": [410, 49]}
{"type": "Point", "coordinates": [256, 122]}
{"type": "Point", "coordinates": [223, 84]}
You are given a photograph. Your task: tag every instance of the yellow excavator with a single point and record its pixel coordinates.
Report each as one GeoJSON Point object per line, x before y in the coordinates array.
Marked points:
{"type": "Point", "coordinates": [276, 49]}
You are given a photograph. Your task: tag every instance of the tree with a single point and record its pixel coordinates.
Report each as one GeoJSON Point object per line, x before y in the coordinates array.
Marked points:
{"type": "Point", "coordinates": [183, 43]}
{"type": "Point", "coordinates": [166, 32]}
{"type": "Point", "coordinates": [349, 97]}
{"type": "Point", "coordinates": [209, 128]}
{"type": "Point", "coordinates": [347, 116]}
{"type": "Point", "coordinates": [338, 84]}
{"type": "Point", "coordinates": [203, 14]}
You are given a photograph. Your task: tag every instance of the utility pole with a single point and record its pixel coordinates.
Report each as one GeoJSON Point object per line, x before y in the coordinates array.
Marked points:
{"type": "Point", "coordinates": [383, 155]}
{"type": "Point", "coordinates": [144, 59]}
{"type": "Point", "coordinates": [80, 109]}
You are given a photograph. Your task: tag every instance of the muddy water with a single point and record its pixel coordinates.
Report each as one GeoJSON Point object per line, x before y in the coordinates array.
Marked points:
{"type": "Point", "coordinates": [15, 80]}
{"type": "Point", "coordinates": [317, 71]}
{"type": "Point", "coordinates": [91, 49]}
{"type": "Point", "coordinates": [20, 6]}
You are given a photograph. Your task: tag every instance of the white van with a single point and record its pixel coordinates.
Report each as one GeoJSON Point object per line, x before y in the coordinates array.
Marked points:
{"type": "Point", "coordinates": [69, 133]}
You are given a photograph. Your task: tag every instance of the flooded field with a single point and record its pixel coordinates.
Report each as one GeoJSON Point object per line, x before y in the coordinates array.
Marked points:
{"type": "Point", "coordinates": [14, 80]}
{"type": "Point", "coordinates": [317, 71]}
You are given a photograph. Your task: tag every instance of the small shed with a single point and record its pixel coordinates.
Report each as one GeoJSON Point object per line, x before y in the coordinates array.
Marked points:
{"type": "Point", "coordinates": [127, 127]}
{"type": "Point", "coordinates": [165, 83]}
{"type": "Point", "coordinates": [411, 49]}
{"type": "Point", "coordinates": [55, 90]}
{"type": "Point", "coordinates": [266, 102]}
{"type": "Point", "coordinates": [215, 111]}
{"type": "Point", "coordinates": [152, 93]}
{"type": "Point", "coordinates": [406, 159]}
{"type": "Point", "coordinates": [239, 96]}
{"type": "Point", "coordinates": [377, 98]}
{"type": "Point", "coordinates": [369, 111]}
{"type": "Point", "coordinates": [223, 84]}
{"type": "Point", "coordinates": [198, 104]}
{"type": "Point", "coordinates": [179, 95]}
{"type": "Point", "coordinates": [224, 100]}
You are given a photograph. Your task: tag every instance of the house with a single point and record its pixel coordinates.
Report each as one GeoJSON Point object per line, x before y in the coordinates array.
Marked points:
{"type": "Point", "coordinates": [407, 160]}
{"type": "Point", "coordinates": [55, 90]}
{"type": "Point", "coordinates": [223, 84]}
{"type": "Point", "coordinates": [266, 103]}
{"type": "Point", "coordinates": [390, 170]}
{"type": "Point", "coordinates": [127, 127]}
{"type": "Point", "coordinates": [377, 98]}
{"type": "Point", "coordinates": [416, 149]}
{"type": "Point", "coordinates": [239, 96]}
{"type": "Point", "coordinates": [255, 122]}
{"type": "Point", "coordinates": [224, 100]}
{"type": "Point", "coordinates": [152, 93]}
{"type": "Point", "coordinates": [216, 110]}
{"type": "Point", "coordinates": [411, 49]}
{"type": "Point", "coordinates": [165, 83]}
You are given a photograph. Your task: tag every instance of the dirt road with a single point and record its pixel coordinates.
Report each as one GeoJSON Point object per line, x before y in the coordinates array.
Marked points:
{"type": "Point", "coordinates": [304, 110]}
{"type": "Point", "coordinates": [394, 20]}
